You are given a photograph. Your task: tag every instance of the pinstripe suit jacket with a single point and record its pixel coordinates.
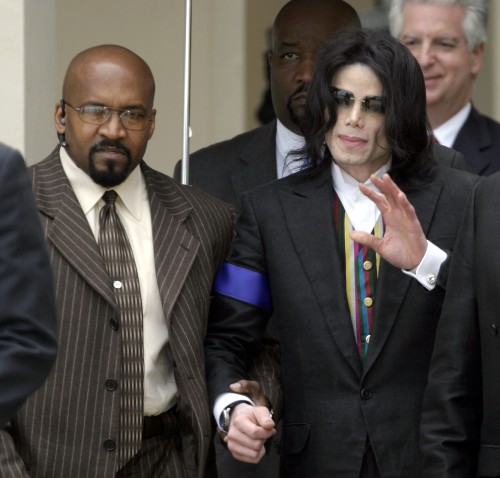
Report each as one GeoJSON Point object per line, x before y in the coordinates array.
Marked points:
{"type": "Point", "coordinates": [61, 429]}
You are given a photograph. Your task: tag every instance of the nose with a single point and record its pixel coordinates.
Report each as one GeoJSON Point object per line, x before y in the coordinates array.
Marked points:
{"type": "Point", "coordinates": [306, 69]}
{"type": "Point", "coordinates": [424, 55]}
{"type": "Point", "coordinates": [354, 115]}
{"type": "Point", "coordinates": [113, 128]}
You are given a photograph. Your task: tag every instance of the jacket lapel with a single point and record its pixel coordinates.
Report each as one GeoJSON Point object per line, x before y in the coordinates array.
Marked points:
{"type": "Point", "coordinates": [309, 216]}
{"type": "Point", "coordinates": [473, 138]}
{"type": "Point", "coordinates": [258, 160]}
{"type": "Point", "coordinates": [175, 248]}
{"type": "Point", "coordinates": [68, 230]}
{"type": "Point", "coordinates": [392, 284]}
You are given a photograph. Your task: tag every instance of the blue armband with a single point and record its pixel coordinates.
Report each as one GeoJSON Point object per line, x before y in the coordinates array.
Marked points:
{"type": "Point", "coordinates": [243, 284]}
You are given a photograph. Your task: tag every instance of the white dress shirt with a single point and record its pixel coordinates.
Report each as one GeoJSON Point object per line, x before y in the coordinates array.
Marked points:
{"type": "Point", "coordinates": [448, 131]}
{"type": "Point", "coordinates": [132, 206]}
{"type": "Point", "coordinates": [286, 142]}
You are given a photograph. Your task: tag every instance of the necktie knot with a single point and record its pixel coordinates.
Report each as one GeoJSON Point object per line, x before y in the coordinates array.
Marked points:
{"type": "Point", "coordinates": [109, 197]}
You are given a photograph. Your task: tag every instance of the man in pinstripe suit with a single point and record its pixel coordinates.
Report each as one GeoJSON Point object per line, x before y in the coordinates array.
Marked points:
{"type": "Point", "coordinates": [178, 235]}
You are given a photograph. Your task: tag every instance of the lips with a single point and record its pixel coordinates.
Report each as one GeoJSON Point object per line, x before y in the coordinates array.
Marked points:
{"type": "Point", "coordinates": [352, 141]}
{"type": "Point", "coordinates": [299, 98]}
{"type": "Point", "coordinates": [109, 151]}
{"type": "Point", "coordinates": [432, 80]}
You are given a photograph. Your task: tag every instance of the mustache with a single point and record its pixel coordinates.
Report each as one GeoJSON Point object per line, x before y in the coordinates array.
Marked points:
{"type": "Point", "coordinates": [303, 88]}
{"type": "Point", "coordinates": [107, 144]}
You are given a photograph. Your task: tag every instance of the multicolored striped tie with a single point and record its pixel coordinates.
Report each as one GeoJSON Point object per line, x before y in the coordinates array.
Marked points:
{"type": "Point", "coordinates": [119, 259]}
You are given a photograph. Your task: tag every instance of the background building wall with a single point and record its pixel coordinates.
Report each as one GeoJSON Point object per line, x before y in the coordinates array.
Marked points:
{"type": "Point", "coordinates": [39, 37]}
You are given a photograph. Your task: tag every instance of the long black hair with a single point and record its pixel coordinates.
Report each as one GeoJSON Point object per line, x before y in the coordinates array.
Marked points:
{"type": "Point", "coordinates": [403, 89]}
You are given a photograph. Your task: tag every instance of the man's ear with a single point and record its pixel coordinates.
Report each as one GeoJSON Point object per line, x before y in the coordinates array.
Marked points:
{"type": "Point", "coordinates": [60, 117]}
{"type": "Point", "coordinates": [476, 59]}
{"type": "Point", "coordinates": [152, 125]}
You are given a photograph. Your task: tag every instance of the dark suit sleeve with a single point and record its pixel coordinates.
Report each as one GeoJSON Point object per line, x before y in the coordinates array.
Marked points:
{"type": "Point", "coordinates": [451, 415]}
{"type": "Point", "coordinates": [236, 325]}
{"type": "Point", "coordinates": [27, 308]}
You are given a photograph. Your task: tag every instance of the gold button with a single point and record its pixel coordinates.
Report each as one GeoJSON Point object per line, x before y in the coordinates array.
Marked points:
{"type": "Point", "coordinates": [368, 301]}
{"type": "Point", "coordinates": [367, 339]}
{"type": "Point", "coordinates": [367, 265]}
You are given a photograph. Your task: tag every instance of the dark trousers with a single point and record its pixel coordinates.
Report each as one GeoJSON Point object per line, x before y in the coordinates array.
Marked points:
{"type": "Point", "coordinates": [158, 457]}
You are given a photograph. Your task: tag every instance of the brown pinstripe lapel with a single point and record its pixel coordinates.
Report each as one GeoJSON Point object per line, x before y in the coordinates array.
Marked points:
{"type": "Point", "coordinates": [69, 230]}
{"type": "Point", "coordinates": [175, 247]}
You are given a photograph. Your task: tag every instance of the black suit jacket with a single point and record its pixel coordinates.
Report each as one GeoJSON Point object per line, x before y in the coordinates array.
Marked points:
{"type": "Point", "coordinates": [461, 418]}
{"type": "Point", "coordinates": [479, 141]}
{"type": "Point", "coordinates": [27, 305]}
{"type": "Point", "coordinates": [229, 168]}
{"type": "Point", "coordinates": [332, 401]}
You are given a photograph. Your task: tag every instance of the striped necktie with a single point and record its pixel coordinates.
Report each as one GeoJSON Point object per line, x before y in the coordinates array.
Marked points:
{"type": "Point", "coordinates": [119, 259]}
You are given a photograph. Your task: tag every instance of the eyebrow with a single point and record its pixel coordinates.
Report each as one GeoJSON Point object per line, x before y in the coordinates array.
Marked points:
{"type": "Point", "coordinates": [440, 37]}
{"type": "Point", "coordinates": [133, 106]}
{"type": "Point", "coordinates": [353, 95]}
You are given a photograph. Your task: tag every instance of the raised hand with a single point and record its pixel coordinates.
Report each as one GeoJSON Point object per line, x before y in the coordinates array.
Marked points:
{"type": "Point", "coordinates": [404, 243]}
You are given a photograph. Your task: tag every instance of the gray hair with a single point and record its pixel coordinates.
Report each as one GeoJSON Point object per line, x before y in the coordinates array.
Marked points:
{"type": "Point", "coordinates": [475, 23]}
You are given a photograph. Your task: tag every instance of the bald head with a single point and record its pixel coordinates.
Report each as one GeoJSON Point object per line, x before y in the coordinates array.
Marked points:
{"type": "Point", "coordinates": [106, 117]}
{"type": "Point", "coordinates": [89, 62]}
{"type": "Point", "coordinates": [335, 14]}
{"type": "Point", "coordinates": [300, 29]}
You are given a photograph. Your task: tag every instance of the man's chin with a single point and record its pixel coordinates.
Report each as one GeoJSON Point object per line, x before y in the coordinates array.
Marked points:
{"type": "Point", "coordinates": [109, 173]}
{"type": "Point", "coordinates": [108, 178]}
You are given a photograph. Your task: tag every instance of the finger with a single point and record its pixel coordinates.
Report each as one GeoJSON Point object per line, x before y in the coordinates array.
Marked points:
{"type": "Point", "coordinates": [390, 189]}
{"type": "Point", "coordinates": [366, 239]}
{"type": "Point", "coordinates": [246, 386]}
{"type": "Point", "coordinates": [246, 454]}
{"type": "Point", "coordinates": [387, 187]}
{"type": "Point", "coordinates": [379, 199]}
{"type": "Point", "coordinates": [253, 390]}
{"type": "Point", "coordinates": [264, 419]}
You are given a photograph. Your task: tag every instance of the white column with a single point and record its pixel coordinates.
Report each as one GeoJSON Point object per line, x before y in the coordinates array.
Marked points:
{"type": "Point", "coordinates": [27, 82]}
{"type": "Point", "coordinates": [12, 77]}
{"type": "Point", "coordinates": [494, 46]}
{"type": "Point", "coordinates": [41, 87]}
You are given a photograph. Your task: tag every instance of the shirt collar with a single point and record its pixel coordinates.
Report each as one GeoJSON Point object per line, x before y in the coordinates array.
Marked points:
{"type": "Point", "coordinates": [448, 131]}
{"type": "Point", "coordinates": [89, 193]}
{"type": "Point", "coordinates": [344, 183]}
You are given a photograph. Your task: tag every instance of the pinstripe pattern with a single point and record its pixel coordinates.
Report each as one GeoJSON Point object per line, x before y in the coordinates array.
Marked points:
{"type": "Point", "coordinates": [62, 429]}
{"type": "Point", "coordinates": [120, 264]}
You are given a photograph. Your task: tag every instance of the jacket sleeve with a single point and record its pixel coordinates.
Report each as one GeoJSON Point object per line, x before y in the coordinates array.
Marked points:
{"type": "Point", "coordinates": [27, 304]}
{"type": "Point", "coordinates": [240, 309]}
{"type": "Point", "coordinates": [452, 411]}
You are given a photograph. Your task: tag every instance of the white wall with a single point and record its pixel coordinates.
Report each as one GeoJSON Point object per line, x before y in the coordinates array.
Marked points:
{"type": "Point", "coordinates": [12, 78]}
{"type": "Point", "coordinates": [39, 38]}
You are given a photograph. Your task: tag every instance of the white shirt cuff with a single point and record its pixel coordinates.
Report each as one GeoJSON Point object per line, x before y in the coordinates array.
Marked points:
{"type": "Point", "coordinates": [225, 400]}
{"type": "Point", "coordinates": [427, 271]}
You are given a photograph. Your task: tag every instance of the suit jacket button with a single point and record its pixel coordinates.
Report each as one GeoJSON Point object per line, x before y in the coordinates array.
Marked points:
{"type": "Point", "coordinates": [111, 384]}
{"type": "Point", "coordinates": [114, 324]}
{"type": "Point", "coordinates": [109, 445]}
{"type": "Point", "coordinates": [366, 394]}
{"type": "Point", "coordinates": [368, 301]}
{"type": "Point", "coordinates": [493, 329]}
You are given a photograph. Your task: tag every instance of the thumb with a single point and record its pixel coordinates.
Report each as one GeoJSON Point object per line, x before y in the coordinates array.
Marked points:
{"type": "Point", "coordinates": [264, 418]}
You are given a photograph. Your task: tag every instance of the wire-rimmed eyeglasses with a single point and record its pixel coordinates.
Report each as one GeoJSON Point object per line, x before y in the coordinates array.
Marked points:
{"type": "Point", "coordinates": [100, 114]}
